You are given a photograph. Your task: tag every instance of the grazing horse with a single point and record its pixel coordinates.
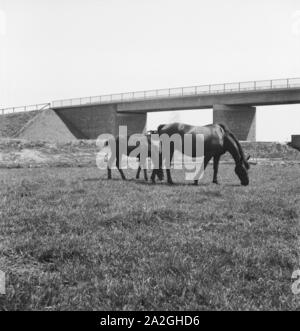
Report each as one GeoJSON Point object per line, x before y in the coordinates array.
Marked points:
{"type": "Point", "coordinates": [130, 148]}
{"type": "Point", "coordinates": [218, 140]}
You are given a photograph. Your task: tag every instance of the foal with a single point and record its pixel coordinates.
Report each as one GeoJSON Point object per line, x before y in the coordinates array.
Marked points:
{"type": "Point", "coordinates": [118, 158]}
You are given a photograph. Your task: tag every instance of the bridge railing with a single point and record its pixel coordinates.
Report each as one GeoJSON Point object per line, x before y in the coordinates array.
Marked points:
{"type": "Point", "coordinates": [287, 83]}
{"type": "Point", "coordinates": [37, 107]}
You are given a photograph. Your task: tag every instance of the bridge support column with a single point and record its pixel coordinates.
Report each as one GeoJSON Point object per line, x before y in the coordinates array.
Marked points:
{"type": "Point", "coordinates": [135, 122]}
{"type": "Point", "coordinates": [241, 120]}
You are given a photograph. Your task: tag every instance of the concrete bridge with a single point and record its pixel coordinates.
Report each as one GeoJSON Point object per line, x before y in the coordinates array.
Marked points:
{"type": "Point", "coordinates": [233, 104]}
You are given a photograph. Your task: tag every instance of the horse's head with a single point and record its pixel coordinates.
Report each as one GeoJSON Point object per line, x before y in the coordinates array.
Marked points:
{"type": "Point", "coordinates": [241, 169]}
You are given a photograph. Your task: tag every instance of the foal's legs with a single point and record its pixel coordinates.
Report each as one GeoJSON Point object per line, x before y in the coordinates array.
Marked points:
{"type": "Point", "coordinates": [138, 173]}
{"type": "Point", "coordinates": [168, 170]}
{"type": "Point", "coordinates": [145, 175]}
{"type": "Point", "coordinates": [139, 170]}
{"type": "Point", "coordinates": [120, 170]}
{"type": "Point", "coordinates": [109, 165]}
{"type": "Point", "coordinates": [216, 168]}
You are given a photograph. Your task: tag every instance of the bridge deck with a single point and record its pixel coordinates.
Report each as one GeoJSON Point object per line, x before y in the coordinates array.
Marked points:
{"type": "Point", "coordinates": [255, 93]}
{"type": "Point", "coordinates": [191, 91]}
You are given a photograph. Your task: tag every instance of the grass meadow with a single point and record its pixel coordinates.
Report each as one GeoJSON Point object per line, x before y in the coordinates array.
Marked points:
{"type": "Point", "coordinates": [72, 240]}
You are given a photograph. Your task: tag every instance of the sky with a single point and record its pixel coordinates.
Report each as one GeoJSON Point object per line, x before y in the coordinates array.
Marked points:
{"type": "Point", "coordinates": [56, 49]}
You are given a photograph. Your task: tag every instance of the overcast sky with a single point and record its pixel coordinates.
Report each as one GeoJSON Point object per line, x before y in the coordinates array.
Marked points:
{"type": "Point", "coordinates": [53, 49]}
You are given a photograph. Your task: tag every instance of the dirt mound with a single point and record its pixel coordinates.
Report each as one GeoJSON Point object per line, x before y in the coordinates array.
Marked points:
{"type": "Point", "coordinates": [270, 150]}
{"type": "Point", "coordinates": [17, 153]}
{"type": "Point", "coordinates": [46, 126]}
{"type": "Point", "coordinates": [11, 124]}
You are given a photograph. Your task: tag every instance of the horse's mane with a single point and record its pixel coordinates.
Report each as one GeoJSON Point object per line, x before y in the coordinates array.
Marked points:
{"type": "Point", "coordinates": [160, 127]}
{"type": "Point", "coordinates": [230, 133]}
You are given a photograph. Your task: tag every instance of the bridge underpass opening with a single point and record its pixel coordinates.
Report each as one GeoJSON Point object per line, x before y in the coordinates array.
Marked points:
{"type": "Point", "coordinates": [197, 117]}
{"type": "Point", "coordinates": [273, 123]}
{"type": "Point", "coordinates": [278, 123]}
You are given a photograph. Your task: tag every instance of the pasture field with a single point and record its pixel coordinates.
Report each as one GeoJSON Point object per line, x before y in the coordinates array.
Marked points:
{"type": "Point", "coordinates": [71, 239]}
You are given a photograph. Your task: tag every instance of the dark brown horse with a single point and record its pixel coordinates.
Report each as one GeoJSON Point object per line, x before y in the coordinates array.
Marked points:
{"type": "Point", "coordinates": [118, 157]}
{"type": "Point", "coordinates": [218, 140]}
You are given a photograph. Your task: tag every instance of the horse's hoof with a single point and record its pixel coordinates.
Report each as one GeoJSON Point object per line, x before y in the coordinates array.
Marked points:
{"type": "Point", "coordinates": [216, 182]}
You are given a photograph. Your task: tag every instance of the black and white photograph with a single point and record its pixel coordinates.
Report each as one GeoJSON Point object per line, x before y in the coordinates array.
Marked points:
{"type": "Point", "coordinates": [149, 158]}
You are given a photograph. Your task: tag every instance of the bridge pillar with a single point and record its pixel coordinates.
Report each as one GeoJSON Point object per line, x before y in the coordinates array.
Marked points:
{"type": "Point", "coordinates": [296, 141]}
{"type": "Point", "coordinates": [241, 120]}
{"type": "Point", "coordinates": [88, 122]}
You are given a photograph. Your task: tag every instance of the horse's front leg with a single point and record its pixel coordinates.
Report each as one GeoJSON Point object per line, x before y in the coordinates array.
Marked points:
{"type": "Point", "coordinates": [138, 172]}
{"type": "Point", "coordinates": [216, 168]}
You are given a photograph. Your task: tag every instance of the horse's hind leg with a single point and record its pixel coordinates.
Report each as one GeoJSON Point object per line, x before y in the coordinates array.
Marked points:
{"type": "Point", "coordinates": [153, 175]}
{"type": "Point", "coordinates": [108, 173]}
{"type": "Point", "coordinates": [168, 168]}
{"type": "Point", "coordinates": [170, 181]}
{"type": "Point", "coordinates": [109, 166]}
{"type": "Point", "coordinates": [216, 168]}
{"type": "Point", "coordinates": [120, 170]}
{"type": "Point", "coordinates": [122, 173]}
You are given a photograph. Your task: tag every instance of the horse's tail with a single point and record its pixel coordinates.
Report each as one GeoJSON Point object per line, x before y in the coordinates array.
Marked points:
{"type": "Point", "coordinates": [230, 133]}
